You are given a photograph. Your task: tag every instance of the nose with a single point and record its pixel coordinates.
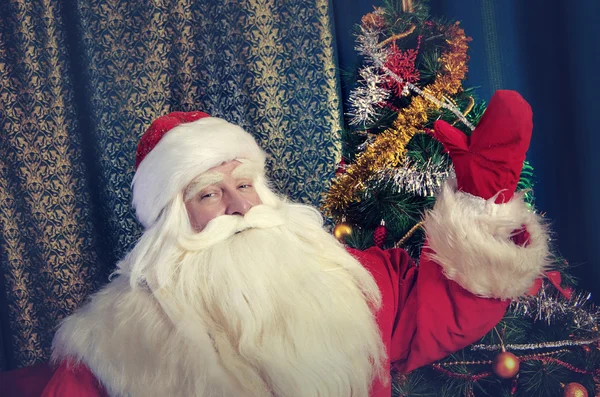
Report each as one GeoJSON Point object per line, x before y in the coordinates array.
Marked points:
{"type": "Point", "coordinates": [238, 204]}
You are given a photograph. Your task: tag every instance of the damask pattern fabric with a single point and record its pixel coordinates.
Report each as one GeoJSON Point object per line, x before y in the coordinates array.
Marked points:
{"type": "Point", "coordinates": [79, 84]}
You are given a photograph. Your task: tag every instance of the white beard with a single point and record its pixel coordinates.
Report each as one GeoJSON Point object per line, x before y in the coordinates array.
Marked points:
{"type": "Point", "coordinates": [288, 311]}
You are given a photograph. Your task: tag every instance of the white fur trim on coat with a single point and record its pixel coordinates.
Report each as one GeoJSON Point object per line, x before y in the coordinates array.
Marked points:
{"type": "Point", "coordinates": [123, 336]}
{"type": "Point", "coordinates": [182, 154]}
{"type": "Point", "coordinates": [471, 240]}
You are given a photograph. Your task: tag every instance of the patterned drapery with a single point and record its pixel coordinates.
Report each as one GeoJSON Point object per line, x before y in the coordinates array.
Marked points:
{"type": "Point", "coordinates": [80, 80]}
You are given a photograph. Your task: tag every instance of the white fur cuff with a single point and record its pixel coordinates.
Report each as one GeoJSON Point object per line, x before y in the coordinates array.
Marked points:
{"type": "Point", "coordinates": [471, 240]}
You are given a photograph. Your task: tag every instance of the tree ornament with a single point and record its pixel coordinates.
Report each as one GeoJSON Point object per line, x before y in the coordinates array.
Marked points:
{"type": "Point", "coordinates": [341, 167]}
{"type": "Point", "coordinates": [505, 365]}
{"type": "Point", "coordinates": [342, 230]}
{"type": "Point", "coordinates": [575, 389]}
{"type": "Point", "coordinates": [402, 63]}
{"type": "Point", "coordinates": [374, 19]}
{"type": "Point", "coordinates": [380, 234]}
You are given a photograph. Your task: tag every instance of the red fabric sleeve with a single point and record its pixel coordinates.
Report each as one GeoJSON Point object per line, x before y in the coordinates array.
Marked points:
{"type": "Point", "coordinates": [25, 382]}
{"type": "Point", "coordinates": [425, 316]}
{"type": "Point", "coordinates": [73, 381]}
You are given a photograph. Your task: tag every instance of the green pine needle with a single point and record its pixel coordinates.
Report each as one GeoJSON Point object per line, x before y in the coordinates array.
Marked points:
{"type": "Point", "coordinates": [429, 66]}
{"type": "Point", "coordinates": [360, 238]}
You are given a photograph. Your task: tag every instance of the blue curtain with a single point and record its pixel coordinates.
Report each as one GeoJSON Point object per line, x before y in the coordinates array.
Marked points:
{"type": "Point", "coordinates": [80, 80]}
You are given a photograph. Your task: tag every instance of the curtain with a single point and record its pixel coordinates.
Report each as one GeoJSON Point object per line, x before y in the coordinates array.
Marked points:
{"type": "Point", "coordinates": [81, 80]}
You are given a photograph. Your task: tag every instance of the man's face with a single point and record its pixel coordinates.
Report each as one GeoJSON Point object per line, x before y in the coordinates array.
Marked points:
{"type": "Point", "coordinates": [226, 189]}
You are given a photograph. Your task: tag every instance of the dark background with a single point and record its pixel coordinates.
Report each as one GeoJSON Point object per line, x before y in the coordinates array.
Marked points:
{"type": "Point", "coordinates": [549, 52]}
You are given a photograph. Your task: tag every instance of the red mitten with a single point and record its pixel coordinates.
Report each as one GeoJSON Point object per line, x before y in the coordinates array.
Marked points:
{"type": "Point", "coordinates": [490, 160]}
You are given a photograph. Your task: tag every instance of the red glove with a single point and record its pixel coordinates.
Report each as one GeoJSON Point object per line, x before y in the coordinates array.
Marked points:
{"type": "Point", "coordinates": [490, 160]}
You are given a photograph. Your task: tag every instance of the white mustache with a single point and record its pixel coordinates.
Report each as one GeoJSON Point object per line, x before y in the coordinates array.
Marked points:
{"type": "Point", "coordinates": [225, 226]}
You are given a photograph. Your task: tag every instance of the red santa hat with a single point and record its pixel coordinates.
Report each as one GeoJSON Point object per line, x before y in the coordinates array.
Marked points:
{"type": "Point", "coordinates": [178, 147]}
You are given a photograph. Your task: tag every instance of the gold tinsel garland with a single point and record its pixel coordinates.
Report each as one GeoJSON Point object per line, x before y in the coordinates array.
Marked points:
{"type": "Point", "coordinates": [389, 148]}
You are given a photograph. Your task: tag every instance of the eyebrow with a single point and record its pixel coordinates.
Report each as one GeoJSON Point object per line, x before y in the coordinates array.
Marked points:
{"type": "Point", "coordinates": [245, 170]}
{"type": "Point", "coordinates": [242, 171]}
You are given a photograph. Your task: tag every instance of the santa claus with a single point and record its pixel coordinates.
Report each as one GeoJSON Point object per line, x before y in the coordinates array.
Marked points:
{"type": "Point", "coordinates": [235, 291]}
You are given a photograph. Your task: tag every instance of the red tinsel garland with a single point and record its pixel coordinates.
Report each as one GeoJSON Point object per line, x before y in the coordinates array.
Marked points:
{"type": "Point", "coordinates": [553, 360]}
{"type": "Point", "coordinates": [455, 375]}
{"type": "Point", "coordinates": [536, 357]}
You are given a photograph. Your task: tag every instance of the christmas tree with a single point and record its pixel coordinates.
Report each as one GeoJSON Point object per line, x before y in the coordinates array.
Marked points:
{"type": "Point", "coordinates": [411, 74]}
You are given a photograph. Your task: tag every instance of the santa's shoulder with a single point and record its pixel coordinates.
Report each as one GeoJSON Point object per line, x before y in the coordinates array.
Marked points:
{"type": "Point", "coordinates": [118, 327]}
{"type": "Point", "coordinates": [106, 321]}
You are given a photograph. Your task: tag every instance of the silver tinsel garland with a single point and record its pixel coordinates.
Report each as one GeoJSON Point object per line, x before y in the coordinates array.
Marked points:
{"type": "Point", "coordinates": [535, 346]}
{"type": "Point", "coordinates": [367, 98]}
{"type": "Point", "coordinates": [368, 46]}
{"type": "Point", "coordinates": [550, 306]}
{"type": "Point", "coordinates": [421, 179]}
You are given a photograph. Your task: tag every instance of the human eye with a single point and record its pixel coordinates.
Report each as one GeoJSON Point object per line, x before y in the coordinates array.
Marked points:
{"type": "Point", "coordinates": [208, 194]}
{"type": "Point", "coordinates": [245, 185]}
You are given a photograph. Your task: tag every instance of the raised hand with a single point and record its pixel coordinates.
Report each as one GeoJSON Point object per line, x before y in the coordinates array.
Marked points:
{"type": "Point", "coordinates": [490, 160]}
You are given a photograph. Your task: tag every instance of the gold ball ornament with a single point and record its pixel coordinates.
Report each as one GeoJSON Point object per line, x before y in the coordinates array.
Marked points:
{"type": "Point", "coordinates": [342, 230]}
{"type": "Point", "coordinates": [575, 389]}
{"type": "Point", "coordinates": [505, 365]}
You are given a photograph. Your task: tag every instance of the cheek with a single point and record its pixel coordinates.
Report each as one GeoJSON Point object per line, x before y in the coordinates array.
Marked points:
{"type": "Point", "coordinates": [255, 198]}
{"type": "Point", "coordinates": [199, 216]}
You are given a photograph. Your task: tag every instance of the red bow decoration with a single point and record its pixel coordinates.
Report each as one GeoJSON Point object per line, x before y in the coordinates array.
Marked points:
{"type": "Point", "coordinates": [555, 279]}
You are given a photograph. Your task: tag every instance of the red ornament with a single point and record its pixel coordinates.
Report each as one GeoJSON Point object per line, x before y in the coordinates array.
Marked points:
{"type": "Point", "coordinates": [341, 168]}
{"type": "Point", "coordinates": [380, 234]}
{"type": "Point", "coordinates": [402, 63]}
